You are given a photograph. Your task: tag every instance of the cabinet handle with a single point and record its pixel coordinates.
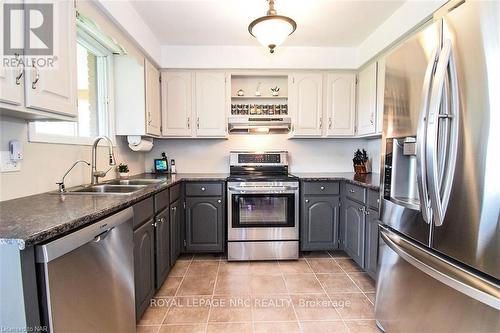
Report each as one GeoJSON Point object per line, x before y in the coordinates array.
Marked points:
{"type": "Point", "coordinates": [203, 189]}
{"type": "Point", "coordinates": [149, 118]}
{"type": "Point", "coordinates": [37, 77]}
{"type": "Point", "coordinates": [307, 200]}
{"type": "Point", "coordinates": [367, 212]}
{"type": "Point", "coordinates": [18, 78]}
{"type": "Point", "coordinates": [330, 123]}
{"type": "Point", "coordinates": [219, 201]}
{"type": "Point", "coordinates": [198, 123]}
{"type": "Point", "coordinates": [174, 209]}
{"type": "Point", "coordinates": [351, 190]}
{"type": "Point", "coordinates": [361, 209]}
{"type": "Point", "coordinates": [322, 188]}
{"type": "Point", "coordinates": [320, 122]}
{"type": "Point", "coordinates": [371, 118]}
{"type": "Point", "coordinates": [188, 123]}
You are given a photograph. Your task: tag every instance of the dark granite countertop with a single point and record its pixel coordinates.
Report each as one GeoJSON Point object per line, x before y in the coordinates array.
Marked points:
{"type": "Point", "coordinates": [37, 218]}
{"type": "Point", "coordinates": [370, 180]}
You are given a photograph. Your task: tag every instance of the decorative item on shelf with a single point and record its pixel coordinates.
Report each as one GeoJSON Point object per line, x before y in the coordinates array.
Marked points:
{"type": "Point", "coordinates": [257, 90]}
{"type": "Point", "coordinates": [275, 91]}
{"type": "Point", "coordinates": [272, 30]}
{"type": "Point", "coordinates": [240, 92]}
{"type": "Point", "coordinates": [361, 162]}
{"type": "Point", "coordinates": [259, 109]}
{"type": "Point", "coordinates": [123, 170]}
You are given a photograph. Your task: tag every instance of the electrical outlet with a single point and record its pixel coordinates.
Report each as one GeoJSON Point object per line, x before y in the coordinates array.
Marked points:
{"type": "Point", "coordinates": [7, 164]}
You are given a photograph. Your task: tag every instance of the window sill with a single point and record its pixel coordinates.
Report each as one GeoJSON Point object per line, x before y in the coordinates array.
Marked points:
{"type": "Point", "coordinates": [63, 140]}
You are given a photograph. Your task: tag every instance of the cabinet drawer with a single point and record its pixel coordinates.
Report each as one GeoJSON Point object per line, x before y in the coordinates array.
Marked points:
{"type": "Point", "coordinates": [175, 192]}
{"type": "Point", "coordinates": [355, 192]}
{"type": "Point", "coordinates": [373, 199]}
{"type": "Point", "coordinates": [143, 211]}
{"type": "Point", "coordinates": [319, 188]}
{"type": "Point", "coordinates": [203, 189]}
{"type": "Point", "coordinates": [161, 201]}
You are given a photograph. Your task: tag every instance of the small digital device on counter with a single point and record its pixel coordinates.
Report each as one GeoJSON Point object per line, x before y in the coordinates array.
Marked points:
{"type": "Point", "coordinates": [161, 164]}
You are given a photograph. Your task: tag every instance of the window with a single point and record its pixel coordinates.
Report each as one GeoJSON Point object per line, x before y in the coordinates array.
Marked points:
{"type": "Point", "coordinates": [94, 64]}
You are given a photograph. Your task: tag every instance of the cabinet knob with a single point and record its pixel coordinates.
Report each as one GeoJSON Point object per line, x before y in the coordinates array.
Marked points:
{"type": "Point", "coordinates": [203, 189]}
{"type": "Point", "coordinates": [219, 201]}
{"type": "Point", "coordinates": [174, 209]}
{"type": "Point", "coordinates": [322, 188]}
{"type": "Point", "coordinates": [367, 212]}
{"type": "Point", "coordinates": [307, 200]}
{"type": "Point", "coordinates": [351, 190]}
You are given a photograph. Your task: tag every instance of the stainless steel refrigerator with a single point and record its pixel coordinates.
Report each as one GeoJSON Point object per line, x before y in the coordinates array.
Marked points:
{"type": "Point", "coordinates": [439, 245]}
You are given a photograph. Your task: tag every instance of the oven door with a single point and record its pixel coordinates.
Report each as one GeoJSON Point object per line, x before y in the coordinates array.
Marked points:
{"type": "Point", "coordinates": [263, 213]}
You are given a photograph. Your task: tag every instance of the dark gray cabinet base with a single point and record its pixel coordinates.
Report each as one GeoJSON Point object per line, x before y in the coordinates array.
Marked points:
{"type": "Point", "coordinates": [162, 246]}
{"type": "Point", "coordinates": [204, 224]}
{"type": "Point", "coordinates": [371, 243]}
{"type": "Point", "coordinates": [319, 223]}
{"type": "Point", "coordinates": [144, 262]}
{"type": "Point", "coordinates": [354, 231]}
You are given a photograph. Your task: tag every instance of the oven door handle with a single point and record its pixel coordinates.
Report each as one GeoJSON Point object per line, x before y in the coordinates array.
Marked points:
{"type": "Point", "coordinates": [249, 189]}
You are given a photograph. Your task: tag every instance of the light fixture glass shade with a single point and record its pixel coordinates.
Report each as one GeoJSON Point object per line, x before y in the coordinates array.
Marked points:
{"type": "Point", "coordinates": [272, 30]}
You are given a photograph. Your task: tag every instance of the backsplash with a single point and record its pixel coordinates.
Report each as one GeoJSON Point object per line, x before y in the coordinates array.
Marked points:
{"type": "Point", "coordinates": [306, 155]}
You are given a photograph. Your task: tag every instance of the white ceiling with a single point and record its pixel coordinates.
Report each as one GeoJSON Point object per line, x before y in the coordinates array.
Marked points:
{"type": "Point", "coordinates": [225, 22]}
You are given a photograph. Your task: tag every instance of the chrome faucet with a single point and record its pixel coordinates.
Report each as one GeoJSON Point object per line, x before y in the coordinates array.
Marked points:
{"type": "Point", "coordinates": [62, 187]}
{"type": "Point", "coordinates": [94, 174]}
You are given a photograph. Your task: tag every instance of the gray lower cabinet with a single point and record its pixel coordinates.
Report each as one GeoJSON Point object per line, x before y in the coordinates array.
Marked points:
{"type": "Point", "coordinates": [144, 270]}
{"type": "Point", "coordinates": [354, 230]}
{"type": "Point", "coordinates": [371, 242]}
{"type": "Point", "coordinates": [319, 223]}
{"type": "Point", "coordinates": [175, 230]}
{"type": "Point", "coordinates": [162, 246]}
{"type": "Point", "coordinates": [204, 224]}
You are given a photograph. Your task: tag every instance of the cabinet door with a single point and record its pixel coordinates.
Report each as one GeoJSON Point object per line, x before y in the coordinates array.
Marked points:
{"type": "Point", "coordinates": [54, 89]}
{"type": "Point", "coordinates": [367, 100]}
{"type": "Point", "coordinates": [210, 104]}
{"type": "Point", "coordinates": [371, 245]}
{"type": "Point", "coordinates": [340, 103]}
{"type": "Point", "coordinates": [305, 98]}
{"type": "Point", "coordinates": [320, 222]}
{"type": "Point", "coordinates": [354, 232]}
{"type": "Point", "coordinates": [204, 224]}
{"type": "Point", "coordinates": [176, 103]}
{"type": "Point", "coordinates": [175, 231]}
{"type": "Point", "coordinates": [153, 110]}
{"type": "Point", "coordinates": [162, 246]}
{"type": "Point", "coordinates": [143, 267]}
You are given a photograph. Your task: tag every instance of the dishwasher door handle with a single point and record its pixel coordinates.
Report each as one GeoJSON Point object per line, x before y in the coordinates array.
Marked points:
{"type": "Point", "coordinates": [95, 232]}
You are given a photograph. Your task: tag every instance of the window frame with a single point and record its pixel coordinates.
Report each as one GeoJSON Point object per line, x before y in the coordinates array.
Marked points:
{"type": "Point", "coordinates": [106, 119]}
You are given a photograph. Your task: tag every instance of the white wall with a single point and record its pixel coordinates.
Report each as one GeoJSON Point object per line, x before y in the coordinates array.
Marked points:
{"type": "Point", "coordinates": [306, 155]}
{"type": "Point", "coordinates": [44, 163]}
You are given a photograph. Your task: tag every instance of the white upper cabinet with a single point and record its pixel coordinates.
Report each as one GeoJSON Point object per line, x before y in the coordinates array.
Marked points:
{"type": "Point", "coordinates": [153, 108]}
{"type": "Point", "coordinates": [176, 103]}
{"type": "Point", "coordinates": [340, 104]}
{"type": "Point", "coordinates": [54, 89]}
{"type": "Point", "coordinates": [367, 100]}
{"type": "Point", "coordinates": [380, 95]}
{"type": "Point", "coordinates": [12, 85]}
{"type": "Point", "coordinates": [210, 92]}
{"type": "Point", "coordinates": [305, 103]}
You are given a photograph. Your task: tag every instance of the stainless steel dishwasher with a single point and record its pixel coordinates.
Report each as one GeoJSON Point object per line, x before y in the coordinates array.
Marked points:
{"type": "Point", "coordinates": [87, 278]}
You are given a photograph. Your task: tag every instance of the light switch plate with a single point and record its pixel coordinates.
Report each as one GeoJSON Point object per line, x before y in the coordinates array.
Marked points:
{"type": "Point", "coordinates": [8, 165]}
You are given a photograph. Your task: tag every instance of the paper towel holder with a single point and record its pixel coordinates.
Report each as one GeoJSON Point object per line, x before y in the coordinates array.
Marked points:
{"type": "Point", "coordinates": [138, 143]}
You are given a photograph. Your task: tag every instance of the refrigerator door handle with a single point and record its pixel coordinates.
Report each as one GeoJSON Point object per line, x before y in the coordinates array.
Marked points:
{"type": "Point", "coordinates": [442, 270]}
{"type": "Point", "coordinates": [442, 133]}
{"type": "Point", "coordinates": [425, 205]}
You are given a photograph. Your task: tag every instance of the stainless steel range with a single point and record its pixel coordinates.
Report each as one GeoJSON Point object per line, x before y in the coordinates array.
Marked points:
{"type": "Point", "coordinates": [263, 207]}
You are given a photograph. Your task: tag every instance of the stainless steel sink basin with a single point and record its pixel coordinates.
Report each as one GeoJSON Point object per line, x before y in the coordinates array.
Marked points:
{"type": "Point", "coordinates": [105, 189]}
{"type": "Point", "coordinates": [134, 181]}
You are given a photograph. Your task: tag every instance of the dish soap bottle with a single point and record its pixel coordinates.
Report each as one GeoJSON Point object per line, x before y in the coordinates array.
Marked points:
{"type": "Point", "coordinates": [172, 166]}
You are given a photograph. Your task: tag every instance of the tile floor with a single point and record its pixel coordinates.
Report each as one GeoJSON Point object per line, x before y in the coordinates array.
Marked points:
{"type": "Point", "coordinates": [321, 292]}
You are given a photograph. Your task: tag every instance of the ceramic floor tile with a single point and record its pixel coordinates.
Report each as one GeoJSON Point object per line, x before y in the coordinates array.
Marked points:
{"type": "Point", "coordinates": [276, 327]}
{"type": "Point", "coordinates": [273, 308]}
{"type": "Point", "coordinates": [348, 265]}
{"type": "Point", "coordinates": [324, 266]}
{"type": "Point", "coordinates": [362, 326]}
{"type": "Point", "coordinates": [203, 268]}
{"type": "Point", "coordinates": [235, 268]}
{"type": "Point", "coordinates": [314, 307]}
{"type": "Point", "coordinates": [233, 285]}
{"type": "Point", "coordinates": [146, 329]}
{"type": "Point", "coordinates": [338, 254]}
{"type": "Point", "coordinates": [302, 283]}
{"type": "Point", "coordinates": [207, 257]}
{"type": "Point", "coordinates": [371, 296]}
{"type": "Point", "coordinates": [188, 310]}
{"type": "Point", "coordinates": [197, 285]}
{"type": "Point", "coordinates": [190, 328]}
{"type": "Point", "coordinates": [267, 284]}
{"type": "Point", "coordinates": [229, 328]}
{"type": "Point", "coordinates": [179, 269]}
{"type": "Point", "coordinates": [363, 281]}
{"type": "Point", "coordinates": [323, 326]}
{"type": "Point", "coordinates": [185, 256]}
{"type": "Point", "coordinates": [355, 306]}
{"type": "Point", "coordinates": [155, 313]}
{"type": "Point", "coordinates": [265, 268]}
{"type": "Point", "coordinates": [230, 309]}
{"type": "Point", "coordinates": [294, 266]}
{"type": "Point", "coordinates": [170, 286]}
{"type": "Point", "coordinates": [336, 283]}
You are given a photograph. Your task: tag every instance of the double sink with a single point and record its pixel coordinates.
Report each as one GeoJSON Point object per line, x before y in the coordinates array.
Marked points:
{"type": "Point", "coordinates": [117, 186]}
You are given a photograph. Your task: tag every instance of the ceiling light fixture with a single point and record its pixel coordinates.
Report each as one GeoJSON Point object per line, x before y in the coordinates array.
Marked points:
{"type": "Point", "coordinates": [272, 30]}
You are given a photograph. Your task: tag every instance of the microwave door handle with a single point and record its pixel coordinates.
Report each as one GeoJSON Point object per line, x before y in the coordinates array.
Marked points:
{"type": "Point", "coordinates": [443, 124]}
{"type": "Point", "coordinates": [421, 139]}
